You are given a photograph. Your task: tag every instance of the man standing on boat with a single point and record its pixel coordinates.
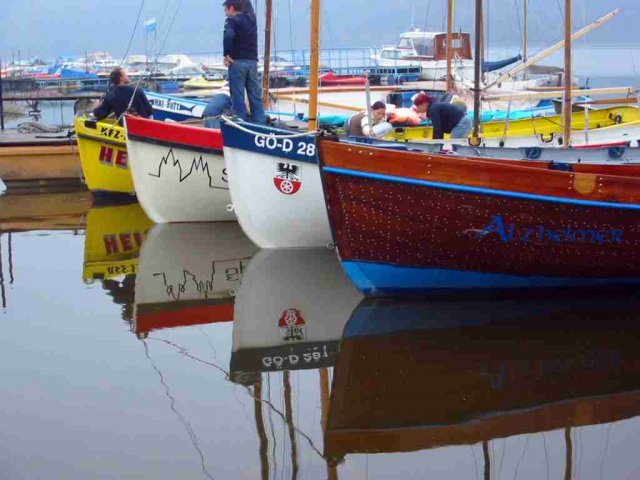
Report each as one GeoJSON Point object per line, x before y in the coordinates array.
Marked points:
{"type": "Point", "coordinates": [123, 98]}
{"type": "Point", "coordinates": [241, 58]}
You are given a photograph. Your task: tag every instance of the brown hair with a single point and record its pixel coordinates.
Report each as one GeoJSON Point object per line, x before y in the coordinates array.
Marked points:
{"type": "Point", "coordinates": [116, 75]}
{"type": "Point", "coordinates": [378, 105]}
{"type": "Point", "coordinates": [238, 5]}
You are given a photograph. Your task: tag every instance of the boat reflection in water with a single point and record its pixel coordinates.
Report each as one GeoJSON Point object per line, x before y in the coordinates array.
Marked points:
{"type": "Point", "coordinates": [114, 236]}
{"type": "Point", "coordinates": [289, 315]}
{"type": "Point", "coordinates": [415, 375]}
{"type": "Point", "coordinates": [188, 275]}
{"type": "Point", "coordinates": [290, 312]}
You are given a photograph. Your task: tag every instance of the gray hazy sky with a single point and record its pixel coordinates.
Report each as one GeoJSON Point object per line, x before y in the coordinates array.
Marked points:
{"type": "Point", "coordinates": [70, 27]}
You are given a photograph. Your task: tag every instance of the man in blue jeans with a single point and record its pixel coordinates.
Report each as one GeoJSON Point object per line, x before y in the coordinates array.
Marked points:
{"type": "Point", "coordinates": [241, 58]}
{"type": "Point", "coordinates": [219, 104]}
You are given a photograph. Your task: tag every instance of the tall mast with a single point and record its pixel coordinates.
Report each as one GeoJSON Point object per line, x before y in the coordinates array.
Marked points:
{"type": "Point", "coordinates": [476, 73]}
{"type": "Point", "coordinates": [566, 103]}
{"type": "Point", "coordinates": [524, 31]}
{"type": "Point", "coordinates": [449, 44]}
{"type": "Point", "coordinates": [313, 66]}
{"type": "Point", "coordinates": [1, 101]}
{"type": "Point", "coordinates": [267, 54]}
{"type": "Point", "coordinates": [545, 53]}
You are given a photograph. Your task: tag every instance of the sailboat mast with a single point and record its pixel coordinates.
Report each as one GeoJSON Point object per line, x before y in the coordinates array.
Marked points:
{"type": "Point", "coordinates": [267, 54]}
{"type": "Point", "coordinates": [566, 102]}
{"type": "Point", "coordinates": [449, 44]}
{"type": "Point", "coordinates": [476, 74]}
{"type": "Point", "coordinates": [314, 64]}
{"type": "Point", "coordinates": [524, 30]}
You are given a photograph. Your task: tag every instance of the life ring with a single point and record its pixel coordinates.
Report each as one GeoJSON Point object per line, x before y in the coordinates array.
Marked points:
{"type": "Point", "coordinates": [616, 152]}
{"type": "Point", "coordinates": [532, 153]}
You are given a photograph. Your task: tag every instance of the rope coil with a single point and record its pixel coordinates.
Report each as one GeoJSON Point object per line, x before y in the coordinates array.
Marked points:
{"type": "Point", "coordinates": [232, 123]}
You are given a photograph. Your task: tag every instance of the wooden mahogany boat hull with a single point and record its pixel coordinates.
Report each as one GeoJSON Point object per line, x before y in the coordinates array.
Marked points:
{"type": "Point", "coordinates": [196, 283]}
{"type": "Point", "coordinates": [276, 188]}
{"type": "Point", "coordinates": [103, 156]}
{"type": "Point", "coordinates": [476, 225]}
{"type": "Point", "coordinates": [178, 171]}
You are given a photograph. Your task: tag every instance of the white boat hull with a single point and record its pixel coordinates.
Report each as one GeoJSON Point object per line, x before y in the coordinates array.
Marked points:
{"type": "Point", "coordinates": [178, 181]}
{"type": "Point", "coordinates": [276, 192]}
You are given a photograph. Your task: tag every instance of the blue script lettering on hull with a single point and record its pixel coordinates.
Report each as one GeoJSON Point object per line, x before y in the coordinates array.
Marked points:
{"type": "Point", "coordinates": [511, 232]}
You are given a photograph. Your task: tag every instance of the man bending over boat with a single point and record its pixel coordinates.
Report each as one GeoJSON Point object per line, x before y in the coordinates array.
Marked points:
{"type": "Point", "coordinates": [241, 57]}
{"type": "Point", "coordinates": [358, 124]}
{"type": "Point", "coordinates": [220, 103]}
{"type": "Point", "coordinates": [445, 117]}
{"type": "Point", "coordinates": [123, 98]}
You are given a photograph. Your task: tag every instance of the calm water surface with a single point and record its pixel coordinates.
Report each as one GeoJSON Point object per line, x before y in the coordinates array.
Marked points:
{"type": "Point", "coordinates": [180, 351]}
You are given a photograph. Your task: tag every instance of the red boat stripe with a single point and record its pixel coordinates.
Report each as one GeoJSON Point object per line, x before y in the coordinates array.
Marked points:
{"type": "Point", "coordinates": [174, 132]}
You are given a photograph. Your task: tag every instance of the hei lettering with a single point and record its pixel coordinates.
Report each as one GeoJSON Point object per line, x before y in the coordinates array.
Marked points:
{"type": "Point", "coordinates": [113, 157]}
{"type": "Point", "coordinates": [123, 242]}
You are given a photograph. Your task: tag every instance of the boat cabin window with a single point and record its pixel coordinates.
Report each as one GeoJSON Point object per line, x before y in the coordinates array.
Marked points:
{"type": "Point", "coordinates": [390, 54]}
{"type": "Point", "coordinates": [405, 43]}
{"type": "Point", "coordinates": [424, 47]}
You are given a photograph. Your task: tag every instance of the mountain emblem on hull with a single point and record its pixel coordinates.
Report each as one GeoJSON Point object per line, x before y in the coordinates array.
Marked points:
{"type": "Point", "coordinates": [198, 165]}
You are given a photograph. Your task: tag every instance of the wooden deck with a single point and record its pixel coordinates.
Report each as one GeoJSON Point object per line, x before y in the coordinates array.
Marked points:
{"type": "Point", "coordinates": [12, 138]}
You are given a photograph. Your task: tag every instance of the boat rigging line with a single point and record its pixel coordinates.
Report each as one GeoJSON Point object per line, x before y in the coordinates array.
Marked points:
{"type": "Point", "coordinates": [133, 32]}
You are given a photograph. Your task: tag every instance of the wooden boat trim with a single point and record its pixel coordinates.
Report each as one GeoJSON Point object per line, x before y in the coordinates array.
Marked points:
{"type": "Point", "coordinates": [38, 150]}
{"type": "Point", "coordinates": [487, 176]}
{"type": "Point", "coordinates": [484, 191]}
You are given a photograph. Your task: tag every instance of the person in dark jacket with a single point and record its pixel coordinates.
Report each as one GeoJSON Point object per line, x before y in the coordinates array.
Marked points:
{"type": "Point", "coordinates": [118, 99]}
{"type": "Point", "coordinates": [241, 57]}
{"type": "Point", "coordinates": [448, 118]}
